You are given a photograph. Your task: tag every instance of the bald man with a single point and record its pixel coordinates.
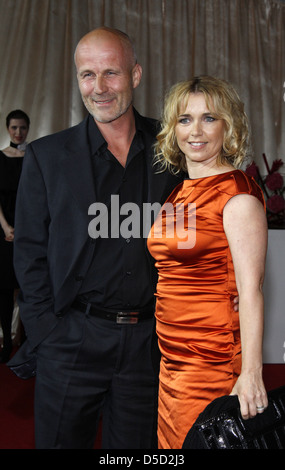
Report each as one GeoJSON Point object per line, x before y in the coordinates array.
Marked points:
{"type": "Point", "coordinates": [87, 280]}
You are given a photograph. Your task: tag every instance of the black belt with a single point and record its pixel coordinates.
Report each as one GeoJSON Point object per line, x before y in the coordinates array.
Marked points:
{"type": "Point", "coordinates": [122, 317]}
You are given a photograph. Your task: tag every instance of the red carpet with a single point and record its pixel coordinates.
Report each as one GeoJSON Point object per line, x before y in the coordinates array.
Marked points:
{"type": "Point", "coordinates": [16, 406]}
{"type": "Point", "coordinates": [16, 411]}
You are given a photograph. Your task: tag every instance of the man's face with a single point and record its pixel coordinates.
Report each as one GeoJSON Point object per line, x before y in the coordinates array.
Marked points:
{"type": "Point", "coordinates": [106, 76]}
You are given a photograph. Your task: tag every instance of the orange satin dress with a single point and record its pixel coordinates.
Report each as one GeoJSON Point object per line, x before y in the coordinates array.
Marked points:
{"type": "Point", "coordinates": [197, 327]}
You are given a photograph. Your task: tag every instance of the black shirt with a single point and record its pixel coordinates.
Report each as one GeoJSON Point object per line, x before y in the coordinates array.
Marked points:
{"type": "Point", "coordinates": [119, 275]}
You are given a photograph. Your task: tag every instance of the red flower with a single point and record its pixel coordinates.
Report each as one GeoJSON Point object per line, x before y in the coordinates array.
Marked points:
{"type": "Point", "coordinates": [276, 204]}
{"type": "Point", "coordinates": [274, 181]}
{"type": "Point", "coordinates": [252, 170]}
{"type": "Point", "coordinates": [276, 165]}
{"type": "Point", "coordinates": [273, 188]}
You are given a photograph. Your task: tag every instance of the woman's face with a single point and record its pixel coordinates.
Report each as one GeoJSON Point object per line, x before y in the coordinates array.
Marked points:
{"type": "Point", "coordinates": [18, 131]}
{"type": "Point", "coordinates": [199, 134]}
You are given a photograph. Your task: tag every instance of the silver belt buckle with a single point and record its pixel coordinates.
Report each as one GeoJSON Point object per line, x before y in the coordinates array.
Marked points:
{"type": "Point", "coordinates": [127, 318]}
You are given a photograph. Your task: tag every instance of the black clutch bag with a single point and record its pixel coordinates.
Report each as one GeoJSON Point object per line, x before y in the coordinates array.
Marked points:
{"type": "Point", "coordinates": [220, 425]}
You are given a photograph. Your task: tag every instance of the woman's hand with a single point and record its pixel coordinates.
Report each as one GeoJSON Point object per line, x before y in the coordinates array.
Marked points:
{"type": "Point", "coordinates": [9, 233]}
{"type": "Point", "coordinates": [7, 229]}
{"type": "Point", "coordinates": [251, 394]}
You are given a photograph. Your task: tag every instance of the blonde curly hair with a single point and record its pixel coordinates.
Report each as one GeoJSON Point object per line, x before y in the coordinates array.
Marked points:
{"type": "Point", "coordinates": [223, 102]}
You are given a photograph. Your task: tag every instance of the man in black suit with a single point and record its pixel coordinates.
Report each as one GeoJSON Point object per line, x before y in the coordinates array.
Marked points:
{"type": "Point", "coordinates": [87, 299]}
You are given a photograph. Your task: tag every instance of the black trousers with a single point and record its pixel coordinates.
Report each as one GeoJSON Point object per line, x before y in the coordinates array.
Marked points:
{"type": "Point", "coordinates": [90, 366]}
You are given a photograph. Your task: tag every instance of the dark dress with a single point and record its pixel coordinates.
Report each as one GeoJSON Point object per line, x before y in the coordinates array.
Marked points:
{"type": "Point", "coordinates": [10, 171]}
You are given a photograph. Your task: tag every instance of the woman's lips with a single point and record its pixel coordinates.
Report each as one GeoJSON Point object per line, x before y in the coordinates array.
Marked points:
{"type": "Point", "coordinates": [197, 145]}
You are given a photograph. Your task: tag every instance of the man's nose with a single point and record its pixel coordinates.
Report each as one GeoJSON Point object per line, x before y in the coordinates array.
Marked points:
{"type": "Point", "coordinates": [100, 85]}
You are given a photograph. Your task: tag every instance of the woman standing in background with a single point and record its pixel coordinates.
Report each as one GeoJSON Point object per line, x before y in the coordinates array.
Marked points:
{"type": "Point", "coordinates": [11, 160]}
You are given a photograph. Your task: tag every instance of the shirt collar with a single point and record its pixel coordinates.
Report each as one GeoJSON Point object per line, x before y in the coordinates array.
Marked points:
{"type": "Point", "coordinates": [96, 140]}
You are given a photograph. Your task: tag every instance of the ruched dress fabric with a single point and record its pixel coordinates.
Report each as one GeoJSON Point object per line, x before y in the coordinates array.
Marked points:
{"type": "Point", "coordinates": [197, 327]}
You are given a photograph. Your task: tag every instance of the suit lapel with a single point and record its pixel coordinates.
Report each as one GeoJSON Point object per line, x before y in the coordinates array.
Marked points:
{"type": "Point", "coordinates": [160, 184]}
{"type": "Point", "coordinates": [156, 183]}
{"type": "Point", "coordinates": [78, 170]}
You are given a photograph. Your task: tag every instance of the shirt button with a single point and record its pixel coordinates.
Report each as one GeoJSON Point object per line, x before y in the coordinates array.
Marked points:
{"type": "Point", "coordinates": [129, 273]}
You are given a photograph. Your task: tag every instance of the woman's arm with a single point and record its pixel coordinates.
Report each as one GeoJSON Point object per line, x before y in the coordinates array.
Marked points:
{"type": "Point", "coordinates": [7, 229]}
{"type": "Point", "coordinates": [246, 230]}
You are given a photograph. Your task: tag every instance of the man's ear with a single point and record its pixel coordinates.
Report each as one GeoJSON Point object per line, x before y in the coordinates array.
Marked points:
{"type": "Point", "coordinates": [136, 75]}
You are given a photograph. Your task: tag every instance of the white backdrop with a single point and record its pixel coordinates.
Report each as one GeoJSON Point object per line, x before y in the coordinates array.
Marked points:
{"type": "Point", "coordinates": [274, 296]}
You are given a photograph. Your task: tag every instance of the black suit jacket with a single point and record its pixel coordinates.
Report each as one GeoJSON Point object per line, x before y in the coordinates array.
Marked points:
{"type": "Point", "coordinates": [52, 247]}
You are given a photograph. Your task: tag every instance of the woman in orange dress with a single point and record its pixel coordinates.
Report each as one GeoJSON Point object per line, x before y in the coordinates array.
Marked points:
{"type": "Point", "coordinates": [209, 242]}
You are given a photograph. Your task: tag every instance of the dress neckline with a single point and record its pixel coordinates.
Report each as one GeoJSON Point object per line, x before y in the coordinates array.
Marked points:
{"type": "Point", "coordinates": [12, 157]}
{"type": "Point", "coordinates": [213, 176]}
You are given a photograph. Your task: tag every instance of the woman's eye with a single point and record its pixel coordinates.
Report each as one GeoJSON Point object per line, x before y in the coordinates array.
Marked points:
{"type": "Point", "coordinates": [210, 119]}
{"type": "Point", "coordinates": [184, 120]}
